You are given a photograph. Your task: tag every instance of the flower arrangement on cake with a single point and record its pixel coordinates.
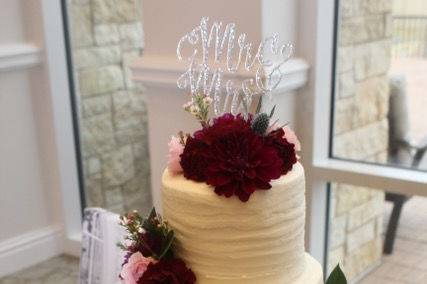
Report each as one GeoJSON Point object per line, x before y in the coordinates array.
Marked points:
{"type": "Point", "coordinates": [149, 255]}
{"type": "Point", "coordinates": [235, 154]}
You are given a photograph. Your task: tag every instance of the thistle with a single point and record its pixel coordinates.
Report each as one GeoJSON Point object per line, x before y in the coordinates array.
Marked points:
{"type": "Point", "coordinates": [261, 122]}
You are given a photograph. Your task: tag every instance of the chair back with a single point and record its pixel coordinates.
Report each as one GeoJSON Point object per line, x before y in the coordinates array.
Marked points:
{"type": "Point", "coordinates": [398, 118]}
{"type": "Point", "coordinates": [101, 259]}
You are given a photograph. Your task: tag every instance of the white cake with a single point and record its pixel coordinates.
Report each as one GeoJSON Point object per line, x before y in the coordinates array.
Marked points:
{"type": "Point", "coordinates": [226, 241]}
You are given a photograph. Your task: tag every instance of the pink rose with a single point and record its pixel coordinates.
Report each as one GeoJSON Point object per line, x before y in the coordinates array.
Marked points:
{"type": "Point", "coordinates": [135, 267]}
{"type": "Point", "coordinates": [174, 159]}
{"type": "Point", "coordinates": [291, 137]}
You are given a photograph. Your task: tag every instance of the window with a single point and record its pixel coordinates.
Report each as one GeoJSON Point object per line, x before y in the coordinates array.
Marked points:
{"type": "Point", "coordinates": [348, 134]}
{"type": "Point", "coordinates": [380, 79]}
{"type": "Point", "coordinates": [378, 82]}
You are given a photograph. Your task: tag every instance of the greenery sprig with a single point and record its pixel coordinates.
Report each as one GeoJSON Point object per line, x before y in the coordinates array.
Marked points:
{"type": "Point", "coordinates": [199, 107]}
{"type": "Point", "coordinates": [140, 230]}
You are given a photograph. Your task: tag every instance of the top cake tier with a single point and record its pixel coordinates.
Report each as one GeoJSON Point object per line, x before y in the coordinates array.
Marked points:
{"type": "Point", "coordinates": [228, 241]}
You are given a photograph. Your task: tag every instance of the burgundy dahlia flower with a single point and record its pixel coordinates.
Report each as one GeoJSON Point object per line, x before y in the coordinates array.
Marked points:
{"type": "Point", "coordinates": [285, 149]}
{"type": "Point", "coordinates": [194, 160]}
{"type": "Point", "coordinates": [241, 163]}
{"type": "Point", "coordinates": [168, 271]}
{"type": "Point", "coordinates": [234, 159]}
{"type": "Point", "coordinates": [223, 125]}
{"type": "Point", "coordinates": [150, 244]}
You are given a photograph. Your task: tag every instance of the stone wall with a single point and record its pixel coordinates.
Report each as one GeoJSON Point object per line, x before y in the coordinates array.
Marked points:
{"type": "Point", "coordinates": [361, 130]}
{"type": "Point", "coordinates": [106, 35]}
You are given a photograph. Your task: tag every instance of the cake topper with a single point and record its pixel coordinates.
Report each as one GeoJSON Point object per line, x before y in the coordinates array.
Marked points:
{"type": "Point", "coordinates": [234, 54]}
{"type": "Point", "coordinates": [235, 152]}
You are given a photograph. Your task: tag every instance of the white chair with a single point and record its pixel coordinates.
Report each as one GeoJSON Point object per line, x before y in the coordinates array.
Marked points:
{"type": "Point", "coordinates": [401, 151]}
{"type": "Point", "coordinates": [101, 259]}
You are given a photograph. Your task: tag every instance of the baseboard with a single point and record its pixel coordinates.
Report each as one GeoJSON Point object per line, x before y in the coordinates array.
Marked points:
{"type": "Point", "coordinates": [29, 249]}
{"type": "Point", "coordinates": [72, 245]}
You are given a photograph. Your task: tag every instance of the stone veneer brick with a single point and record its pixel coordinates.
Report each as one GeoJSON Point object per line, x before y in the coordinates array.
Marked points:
{"type": "Point", "coordinates": [113, 11]}
{"type": "Point", "coordinates": [96, 56]}
{"type": "Point", "coordinates": [107, 34]}
{"type": "Point", "coordinates": [372, 59]}
{"type": "Point", "coordinates": [101, 80]}
{"type": "Point", "coordinates": [96, 105]}
{"type": "Point", "coordinates": [97, 135]}
{"type": "Point", "coordinates": [80, 19]}
{"type": "Point", "coordinates": [362, 142]}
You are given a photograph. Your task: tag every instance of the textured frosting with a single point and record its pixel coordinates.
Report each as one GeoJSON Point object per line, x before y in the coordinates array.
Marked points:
{"type": "Point", "coordinates": [224, 240]}
{"type": "Point", "coordinates": [312, 274]}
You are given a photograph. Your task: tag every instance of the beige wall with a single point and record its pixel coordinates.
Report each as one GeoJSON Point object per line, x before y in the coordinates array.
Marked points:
{"type": "Point", "coordinates": [23, 203]}
{"type": "Point", "coordinates": [165, 33]}
{"type": "Point", "coordinates": [11, 26]}
{"type": "Point", "coordinates": [30, 206]}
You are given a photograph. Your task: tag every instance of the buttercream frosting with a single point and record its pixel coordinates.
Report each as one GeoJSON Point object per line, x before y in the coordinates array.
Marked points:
{"type": "Point", "coordinates": [226, 241]}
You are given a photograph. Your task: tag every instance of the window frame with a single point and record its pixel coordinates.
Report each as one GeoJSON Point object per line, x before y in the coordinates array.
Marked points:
{"type": "Point", "coordinates": [55, 50]}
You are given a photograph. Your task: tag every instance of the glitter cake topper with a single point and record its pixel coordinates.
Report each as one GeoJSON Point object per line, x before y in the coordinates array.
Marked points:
{"type": "Point", "coordinates": [205, 75]}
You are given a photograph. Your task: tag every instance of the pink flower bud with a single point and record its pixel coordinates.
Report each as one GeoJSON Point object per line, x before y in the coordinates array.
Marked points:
{"type": "Point", "coordinates": [291, 137]}
{"type": "Point", "coordinates": [174, 159]}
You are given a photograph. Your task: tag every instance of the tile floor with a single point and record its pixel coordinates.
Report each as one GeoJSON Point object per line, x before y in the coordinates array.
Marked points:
{"type": "Point", "coordinates": [58, 270]}
{"type": "Point", "coordinates": [407, 264]}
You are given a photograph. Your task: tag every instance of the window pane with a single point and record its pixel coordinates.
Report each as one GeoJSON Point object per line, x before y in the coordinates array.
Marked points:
{"type": "Point", "coordinates": [110, 107]}
{"type": "Point", "coordinates": [359, 219]}
{"type": "Point", "coordinates": [380, 82]}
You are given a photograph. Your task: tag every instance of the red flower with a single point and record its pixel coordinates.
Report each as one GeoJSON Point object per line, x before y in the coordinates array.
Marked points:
{"type": "Point", "coordinates": [241, 163]}
{"type": "Point", "coordinates": [194, 159]}
{"type": "Point", "coordinates": [285, 149]}
{"type": "Point", "coordinates": [196, 156]}
{"type": "Point", "coordinates": [150, 244]}
{"type": "Point", "coordinates": [230, 156]}
{"type": "Point", "coordinates": [223, 125]}
{"type": "Point", "coordinates": [168, 271]}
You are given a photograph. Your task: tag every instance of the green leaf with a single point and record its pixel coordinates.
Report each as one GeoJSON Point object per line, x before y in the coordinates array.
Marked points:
{"type": "Point", "coordinates": [336, 276]}
{"type": "Point", "coordinates": [258, 108]}
{"type": "Point", "coordinates": [272, 111]}
{"type": "Point", "coordinates": [153, 213]}
{"type": "Point", "coordinates": [121, 246]}
{"type": "Point", "coordinates": [168, 243]}
{"type": "Point", "coordinates": [245, 105]}
{"type": "Point", "coordinates": [148, 224]}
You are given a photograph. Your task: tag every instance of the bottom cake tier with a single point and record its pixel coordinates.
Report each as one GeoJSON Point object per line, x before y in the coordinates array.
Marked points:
{"type": "Point", "coordinates": [312, 274]}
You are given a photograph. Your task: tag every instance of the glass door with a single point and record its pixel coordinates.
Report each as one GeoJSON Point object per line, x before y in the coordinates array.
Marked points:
{"type": "Point", "coordinates": [109, 108]}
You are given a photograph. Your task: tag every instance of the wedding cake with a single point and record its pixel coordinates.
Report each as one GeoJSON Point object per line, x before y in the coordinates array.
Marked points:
{"type": "Point", "coordinates": [231, 242]}
{"type": "Point", "coordinates": [234, 190]}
